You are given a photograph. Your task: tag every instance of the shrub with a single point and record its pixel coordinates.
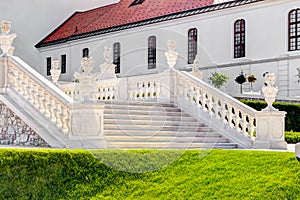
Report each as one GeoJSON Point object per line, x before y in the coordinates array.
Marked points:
{"type": "Point", "coordinates": [292, 137]}
{"type": "Point", "coordinates": [292, 119]}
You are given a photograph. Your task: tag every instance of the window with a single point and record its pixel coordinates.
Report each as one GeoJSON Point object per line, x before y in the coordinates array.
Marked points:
{"type": "Point", "coordinates": [48, 66]}
{"type": "Point", "coordinates": [294, 30]}
{"type": "Point", "coordinates": [63, 63]}
{"type": "Point", "coordinates": [152, 52]}
{"type": "Point", "coordinates": [239, 38]}
{"type": "Point", "coordinates": [192, 45]}
{"type": "Point", "coordinates": [85, 53]}
{"type": "Point", "coordinates": [136, 2]}
{"type": "Point", "coordinates": [116, 57]}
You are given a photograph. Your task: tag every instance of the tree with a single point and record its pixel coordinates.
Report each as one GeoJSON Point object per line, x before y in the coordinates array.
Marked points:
{"type": "Point", "coordinates": [240, 79]}
{"type": "Point", "coordinates": [218, 79]}
{"type": "Point", "coordinates": [251, 79]}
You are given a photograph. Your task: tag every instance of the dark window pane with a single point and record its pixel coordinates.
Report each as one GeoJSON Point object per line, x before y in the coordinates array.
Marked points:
{"type": "Point", "coordinates": [48, 66]}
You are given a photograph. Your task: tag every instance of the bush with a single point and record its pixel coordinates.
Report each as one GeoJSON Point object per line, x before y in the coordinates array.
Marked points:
{"type": "Point", "coordinates": [292, 119]}
{"type": "Point", "coordinates": [292, 137]}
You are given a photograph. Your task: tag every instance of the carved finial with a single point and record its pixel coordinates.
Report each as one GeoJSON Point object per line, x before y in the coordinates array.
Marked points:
{"type": "Point", "coordinates": [6, 39]}
{"type": "Point", "coordinates": [107, 55]}
{"type": "Point", "coordinates": [55, 71]}
{"type": "Point", "coordinates": [171, 55]}
{"type": "Point", "coordinates": [270, 92]}
{"type": "Point", "coordinates": [87, 64]}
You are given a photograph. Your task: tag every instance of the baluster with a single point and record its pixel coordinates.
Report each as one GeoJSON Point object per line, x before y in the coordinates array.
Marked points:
{"type": "Point", "coordinates": [36, 95]}
{"type": "Point", "coordinates": [204, 101]}
{"type": "Point", "coordinates": [20, 82]}
{"type": "Point", "coordinates": [210, 104]}
{"type": "Point", "coordinates": [26, 89]}
{"type": "Point", "coordinates": [58, 115]}
{"type": "Point", "coordinates": [251, 126]}
{"type": "Point", "coordinates": [65, 117]}
{"type": "Point", "coordinates": [47, 104]}
{"type": "Point", "coordinates": [30, 92]}
{"type": "Point", "coordinates": [224, 113]}
{"type": "Point", "coordinates": [41, 100]}
{"type": "Point", "coordinates": [52, 110]}
{"type": "Point", "coordinates": [230, 116]}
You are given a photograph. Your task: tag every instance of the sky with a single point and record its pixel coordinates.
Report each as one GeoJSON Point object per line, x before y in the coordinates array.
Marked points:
{"type": "Point", "coordinates": [32, 20]}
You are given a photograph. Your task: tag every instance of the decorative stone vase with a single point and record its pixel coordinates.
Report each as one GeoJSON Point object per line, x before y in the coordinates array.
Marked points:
{"type": "Point", "coordinates": [55, 71]}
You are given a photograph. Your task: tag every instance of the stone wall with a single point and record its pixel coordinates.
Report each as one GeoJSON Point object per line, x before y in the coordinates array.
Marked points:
{"type": "Point", "coordinates": [14, 131]}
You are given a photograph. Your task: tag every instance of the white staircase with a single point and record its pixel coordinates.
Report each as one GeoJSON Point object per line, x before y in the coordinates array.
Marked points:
{"type": "Point", "coordinates": [156, 125]}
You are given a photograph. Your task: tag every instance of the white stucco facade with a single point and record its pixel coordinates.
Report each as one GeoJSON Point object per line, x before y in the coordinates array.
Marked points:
{"type": "Point", "coordinates": [266, 46]}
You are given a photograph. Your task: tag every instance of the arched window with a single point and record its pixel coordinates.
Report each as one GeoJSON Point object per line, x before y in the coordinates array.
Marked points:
{"type": "Point", "coordinates": [152, 52]}
{"type": "Point", "coordinates": [85, 53]}
{"type": "Point", "coordinates": [294, 30]}
{"type": "Point", "coordinates": [192, 45]}
{"type": "Point", "coordinates": [116, 57]}
{"type": "Point", "coordinates": [239, 38]}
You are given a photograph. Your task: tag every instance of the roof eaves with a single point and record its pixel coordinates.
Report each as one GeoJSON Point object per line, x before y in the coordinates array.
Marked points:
{"type": "Point", "coordinates": [192, 12]}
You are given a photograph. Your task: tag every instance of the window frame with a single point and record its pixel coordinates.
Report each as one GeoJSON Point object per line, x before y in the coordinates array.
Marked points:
{"type": "Point", "coordinates": [239, 45]}
{"type": "Point", "coordinates": [85, 53]}
{"type": "Point", "coordinates": [48, 65]}
{"type": "Point", "coordinates": [152, 52]}
{"type": "Point", "coordinates": [63, 63]}
{"type": "Point", "coordinates": [192, 44]}
{"type": "Point", "coordinates": [117, 57]}
{"type": "Point", "coordinates": [296, 36]}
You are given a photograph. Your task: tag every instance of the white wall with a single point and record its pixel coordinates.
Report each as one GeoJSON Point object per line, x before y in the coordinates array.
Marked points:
{"type": "Point", "coordinates": [32, 20]}
{"type": "Point", "coordinates": [266, 37]}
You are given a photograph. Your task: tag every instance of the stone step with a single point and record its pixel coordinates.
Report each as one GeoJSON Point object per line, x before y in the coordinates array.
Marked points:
{"type": "Point", "coordinates": [168, 145]}
{"type": "Point", "coordinates": [144, 108]}
{"type": "Point", "coordinates": [114, 116]}
{"type": "Point", "coordinates": [152, 122]}
{"type": "Point", "coordinates": [156, 128]}
{"type": "Point", "coordinates": [166, 139]}
{"type": "Point", "coordinates": [142, 112]}
{"type": "Point", "coordinates": [137, 133]}
{"type": "Point", "coordinates": [138, 103]}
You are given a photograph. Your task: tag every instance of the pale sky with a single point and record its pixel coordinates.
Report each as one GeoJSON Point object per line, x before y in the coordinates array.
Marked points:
{"type": "Point", "coordinates": [32, 20]}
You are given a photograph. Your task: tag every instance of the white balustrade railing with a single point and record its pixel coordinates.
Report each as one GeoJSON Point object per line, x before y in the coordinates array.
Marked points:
{"type": "Point", "coordinates": [144, 87]}
{"type": "Point", "coordinates": [216, 103]}
{"type": "Point", "coordinates": [107, 90]}
{"type": "Point", "coordinates": [40, 93]}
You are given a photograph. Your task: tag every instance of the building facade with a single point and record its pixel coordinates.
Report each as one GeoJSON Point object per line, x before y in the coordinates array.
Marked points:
{"type": "Point", "coordinates": [249, 36]}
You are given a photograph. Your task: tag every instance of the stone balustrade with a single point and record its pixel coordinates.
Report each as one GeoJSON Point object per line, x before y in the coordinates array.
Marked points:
{"type": "Point", "coordinates": [40, 93]}
{"type": "Point", "coordinates": [214, 102]}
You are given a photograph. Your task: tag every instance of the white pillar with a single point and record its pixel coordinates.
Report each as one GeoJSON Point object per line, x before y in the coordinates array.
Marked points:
{"type": "Point", "coordinates": [270, 130]}
{"type": "Point", "coordinates": [167, 86]}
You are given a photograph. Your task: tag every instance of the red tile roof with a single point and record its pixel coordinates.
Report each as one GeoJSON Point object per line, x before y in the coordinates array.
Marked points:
{"type": "Point", "coordinates": [119, 14]}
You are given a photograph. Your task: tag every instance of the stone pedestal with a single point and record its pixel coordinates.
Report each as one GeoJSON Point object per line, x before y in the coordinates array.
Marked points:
{"type": "Point", "coordinates": [107, 71]}
{"type": "Point", "coordinates": [167, 86]}
{"type": "Point", "coordinates": [270, 130]}
{"type": "Point", "coordinates": [87, 120]}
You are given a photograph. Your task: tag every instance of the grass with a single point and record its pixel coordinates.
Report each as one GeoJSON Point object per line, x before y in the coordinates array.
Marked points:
{"type": "Point", "coordinates": [216, 174]}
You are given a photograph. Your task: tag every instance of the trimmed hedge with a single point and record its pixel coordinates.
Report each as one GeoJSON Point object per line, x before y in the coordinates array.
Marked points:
{"type": "Point", "coordinates": [292, 137]}
{"type": "Point", "coordinates": [292, 120]}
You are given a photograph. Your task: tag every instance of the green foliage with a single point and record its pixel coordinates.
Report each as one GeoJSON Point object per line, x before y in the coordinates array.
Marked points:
{"type": "Point", "coordinates": [251, 78]}
{"type": "Point", "coordinates": [292, 119]}
{"type": "Point", "coordinates": [221, 174]}
{"type": "Point", "coordinates": [218, 79]}
{"type": "Point", "coordinates": [292, 137]}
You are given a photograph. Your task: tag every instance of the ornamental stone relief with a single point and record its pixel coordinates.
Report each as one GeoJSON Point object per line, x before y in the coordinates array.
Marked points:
{"type": "Point", "coordinates": [14, 131]}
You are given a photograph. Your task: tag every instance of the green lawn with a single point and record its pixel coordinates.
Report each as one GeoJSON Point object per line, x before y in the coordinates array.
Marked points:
{"type": "Point", "coordinates": [216, 174]}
